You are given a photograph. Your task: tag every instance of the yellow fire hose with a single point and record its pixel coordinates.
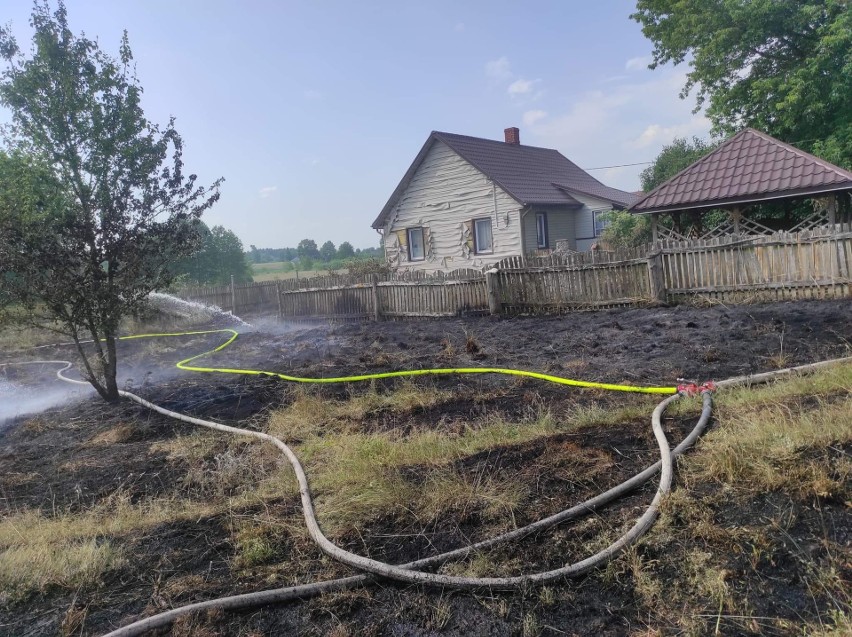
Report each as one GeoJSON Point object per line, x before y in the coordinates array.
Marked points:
{"type": "Point", "coordinates": [408, 572]}
{"type": "Point", "coordinates": [559, 380]}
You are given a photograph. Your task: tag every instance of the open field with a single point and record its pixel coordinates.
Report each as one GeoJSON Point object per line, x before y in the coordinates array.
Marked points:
{"type": "Point", "coordinates": [111, 513]}
{"type": "Point", "coordinates": [274, 271]}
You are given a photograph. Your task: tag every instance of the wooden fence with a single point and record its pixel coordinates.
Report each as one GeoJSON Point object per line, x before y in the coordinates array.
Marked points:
{"type": "Point", "coordinates": [437, 296]}
{"type": "Point", "coordinates": [557, 289]}
{"type": "Point", "coordinates": [807, 264]}
{"type": "Point", "coordinates": [242, 298]}
{"type": "Point", "coordinates": [349, 302]}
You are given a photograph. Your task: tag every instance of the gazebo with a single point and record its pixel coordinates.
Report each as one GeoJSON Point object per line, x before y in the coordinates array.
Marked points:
{"type": "Point", "coordinates": [748, 169]}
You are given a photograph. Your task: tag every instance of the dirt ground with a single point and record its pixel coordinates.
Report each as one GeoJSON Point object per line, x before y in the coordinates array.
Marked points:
{"type": "Point", "coordinates": [47, 462]}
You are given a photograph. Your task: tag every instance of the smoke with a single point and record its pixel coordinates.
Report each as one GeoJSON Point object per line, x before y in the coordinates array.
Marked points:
{"type": "Point", "coordinates": [33, 396]}
{"type": "Point", "coordinates": [29, 387]}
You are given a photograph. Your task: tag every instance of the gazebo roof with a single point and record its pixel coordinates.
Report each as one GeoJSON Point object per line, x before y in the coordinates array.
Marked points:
{"type": "Point", "coordinates": [750, 167]}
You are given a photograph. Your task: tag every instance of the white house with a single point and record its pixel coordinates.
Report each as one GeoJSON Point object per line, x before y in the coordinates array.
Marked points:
{"type": "Point", "coordinates": [467, 202]}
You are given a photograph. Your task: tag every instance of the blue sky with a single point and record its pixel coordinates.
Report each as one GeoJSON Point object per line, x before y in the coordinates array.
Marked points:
{"type": "Point", "coordinates": [312, 111]}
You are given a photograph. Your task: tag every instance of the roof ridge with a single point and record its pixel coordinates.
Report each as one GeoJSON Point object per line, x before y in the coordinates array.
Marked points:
{"type": "Point", "coordinates": [691, 187]}
{"type": "Point", "coordinates": [802, 153]}
{"type": "Point", "coordinates": [653, 191]}
{"type": "Point", "coordinates": [494, 141]}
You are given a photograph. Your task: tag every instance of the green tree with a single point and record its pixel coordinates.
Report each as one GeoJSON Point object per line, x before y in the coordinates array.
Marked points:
{"type": "Point", "coordinates": [626, 230]}
{"type": "Point", "coordinates": [105, 205]}
{"type": "Point", "coordinates": [345, 251]}
{"type": "Point", "coordinates": [672, 159]}
{"type": "Point", "coordinates": [307, 248]}
{"type": "Point", "coordinates": [783, 67]}
{"type": "Point", "coordinates": [219, 257]}
{"type": "Point", "coordinates": [229, 252]}
{"type": "Point", "coordinates": [327, 252]}
{"type": "Point", "coordinates": [253, 254]}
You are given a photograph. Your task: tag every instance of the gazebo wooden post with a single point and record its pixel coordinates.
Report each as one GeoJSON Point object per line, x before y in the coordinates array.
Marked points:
{"type": "Point", "coordinates": [655, 233]}
{"type": "Point", "coordinates": [736, 214]}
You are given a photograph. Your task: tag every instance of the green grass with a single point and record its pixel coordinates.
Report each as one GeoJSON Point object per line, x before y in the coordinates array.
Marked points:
{"type": "Point", "coordinates": [355, 473]}
{"type": "Point", "coordinates": [782, 443]}
{"type": "Point", "coordinates": [777, 440]}
{"type": "Point", "coordinates": [278, 271]}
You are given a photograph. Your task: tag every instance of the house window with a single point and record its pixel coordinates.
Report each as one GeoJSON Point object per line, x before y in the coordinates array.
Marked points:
{"type": "Point", "coordinates": [541, 229]}
{"type": "Point", "coordinates": [482, 241]}
{"type": "Point", "coordinates": [602, 220]}
{"type": "Point", "coordinates": [416, 249]}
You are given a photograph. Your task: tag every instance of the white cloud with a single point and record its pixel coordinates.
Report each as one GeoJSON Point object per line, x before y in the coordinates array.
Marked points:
{"type": "Point", "coordinates": [521, 87]}
{"type": "Point", "coordinates": [459, 27]}
{"type": "Point", "coordinates": [620, 123]}
{"type": "Point", "coordinates": [658, 134]}
{"type": "Point", "coordinates": [311, 94]}
{"type": "Point", "coordinates": [267, 191]}
{"type": "Point", "coordinates": [638, 64]}
{"type": "Point", "coordinates": [531, 117]}
{"type": "Point", "coordinates": [499, 69]}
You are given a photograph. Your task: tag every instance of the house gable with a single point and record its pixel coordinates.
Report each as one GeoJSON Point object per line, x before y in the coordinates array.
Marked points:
{"type": "Point", "coordinates": [443, 194]}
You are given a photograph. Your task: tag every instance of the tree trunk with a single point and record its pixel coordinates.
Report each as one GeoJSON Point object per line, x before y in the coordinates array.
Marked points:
{"type": "Point", "coordinates": [110, 371]}
{"type": "Point", "coordinates": [108, 389]}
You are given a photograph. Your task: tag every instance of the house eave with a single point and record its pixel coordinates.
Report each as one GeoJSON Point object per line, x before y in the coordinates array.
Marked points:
{"type": "Point", "coordinates": [745, 199]}
{"type": "Point", "coordinates": [611, 200]}
{"type": "Point", "coordinates": [403, 183]}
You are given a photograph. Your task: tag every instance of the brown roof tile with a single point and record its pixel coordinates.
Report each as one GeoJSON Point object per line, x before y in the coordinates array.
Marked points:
{"type": "Point", "coordinates": [751, 166]}
{"type": "Point", "coordinates": [532, 175]}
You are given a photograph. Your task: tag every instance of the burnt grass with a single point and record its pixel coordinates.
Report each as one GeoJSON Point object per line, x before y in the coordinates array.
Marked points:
{"type": "Point", "coordinates": [49, 462]}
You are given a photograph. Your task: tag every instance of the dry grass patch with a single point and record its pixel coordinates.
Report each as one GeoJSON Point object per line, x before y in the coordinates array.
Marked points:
{"type": "Point", "coordinates": [311, 414]}
{"type": "Point", "coordinates": [356, 475]}
{"type": "Point", "coordinates": [197, 445]}
{"type": "Point", "coordinates": [241, 470]}
{"type": "Point", "coordinates": [74, 550]}
{"type": "Point", "coordinates": [764, 449]}
{"type": "Point", "coordinates": [780, 443]}
{"type": "Point", "coordinates": [16, 336]}
{"type": "Point", "coordinates": [598, 415]}
{"type": "Point", "coordinates": [18, 478]}
{"type": "Point", "coordinates": [37, 566]}
{"type": "Point", "coordinates": [122, 432]}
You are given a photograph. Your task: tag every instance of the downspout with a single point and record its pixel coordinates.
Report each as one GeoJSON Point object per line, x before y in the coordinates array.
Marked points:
{"type": "Point", "coordinates": [496, 215]}
{"type": "Point", "coordinates": [381, 233]}
{"type": "Point", "coordinates": [523, 213]}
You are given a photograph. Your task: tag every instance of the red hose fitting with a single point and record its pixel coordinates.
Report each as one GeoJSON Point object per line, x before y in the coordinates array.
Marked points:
{"type": "Point", "coordinates": [693, 389]}
{"type": "Point", "coordinates": [689, 389]}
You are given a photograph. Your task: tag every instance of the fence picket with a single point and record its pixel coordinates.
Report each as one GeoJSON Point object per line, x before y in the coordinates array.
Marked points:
{"type": "Point", "coordinates": [807, 264]}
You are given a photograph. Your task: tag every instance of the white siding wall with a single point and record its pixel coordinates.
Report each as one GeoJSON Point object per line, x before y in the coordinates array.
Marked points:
{"type": "Point", "coordinates": [585, 221]}
{"type": "Point", "coordinates": [560, 226]}
{"type": "Point", "coordinates": [445, 193]}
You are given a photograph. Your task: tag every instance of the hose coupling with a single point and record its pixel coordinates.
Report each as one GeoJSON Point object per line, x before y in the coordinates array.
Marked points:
{"type": "Point", "coordinates": [692, 388]}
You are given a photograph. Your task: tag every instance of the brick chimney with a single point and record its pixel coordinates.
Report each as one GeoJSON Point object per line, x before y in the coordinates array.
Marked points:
{"type": "Point", "coordinates": [513, 135]}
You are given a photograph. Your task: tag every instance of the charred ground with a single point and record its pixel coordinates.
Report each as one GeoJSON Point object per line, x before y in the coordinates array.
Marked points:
{"type": "Point", "coordinates": [234, 521]}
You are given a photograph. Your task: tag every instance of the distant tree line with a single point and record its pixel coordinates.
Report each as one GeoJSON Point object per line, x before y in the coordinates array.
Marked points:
{"type": "Point", "coordinates": [307, 256]}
